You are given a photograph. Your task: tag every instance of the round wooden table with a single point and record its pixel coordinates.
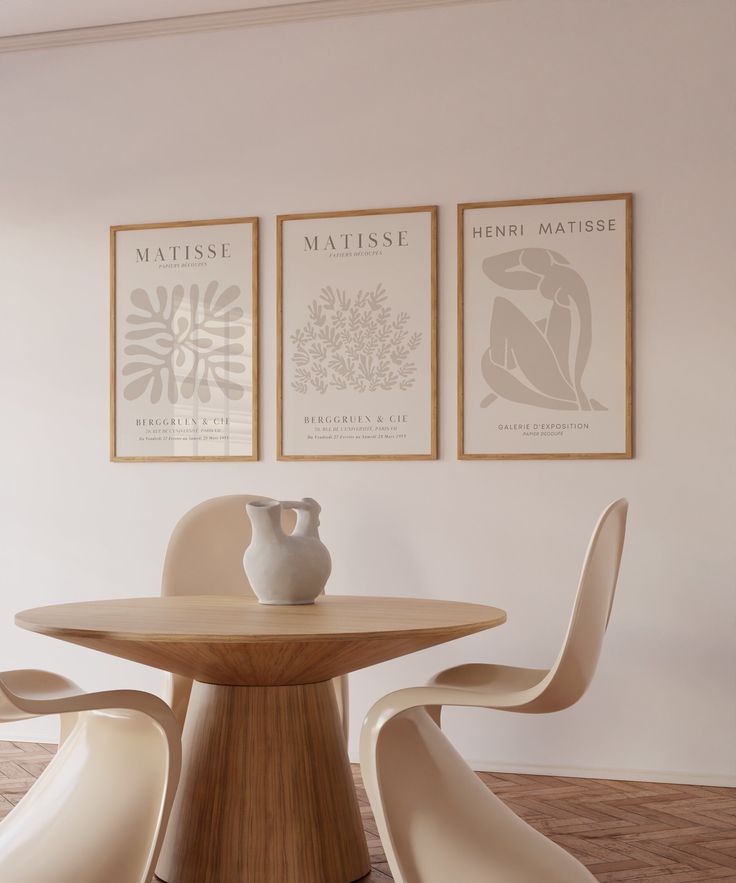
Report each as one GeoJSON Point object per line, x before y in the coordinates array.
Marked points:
{"type": "Point", "coordinates": [266, 793]}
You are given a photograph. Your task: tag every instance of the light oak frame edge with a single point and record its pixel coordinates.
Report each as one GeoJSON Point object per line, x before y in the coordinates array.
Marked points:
{"type": "Point", "coordinates": [461, 208]}
{"type": "Point", "coordinates": [280, 219]}
{"type": "Point", "coordinates": [254, 222]}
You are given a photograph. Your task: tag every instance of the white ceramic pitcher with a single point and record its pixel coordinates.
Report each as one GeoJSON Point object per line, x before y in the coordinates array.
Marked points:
{"type": "Point", "coordinates": [286, 568]}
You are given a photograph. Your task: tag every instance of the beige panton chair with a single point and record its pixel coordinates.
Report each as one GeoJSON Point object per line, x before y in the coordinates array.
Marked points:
{"type": "Point", "coordinates": [205, 557]}
{"type": "Point", "coordinates": [436, 819]}
{"type": "Point", "coordinates": [99, 810]}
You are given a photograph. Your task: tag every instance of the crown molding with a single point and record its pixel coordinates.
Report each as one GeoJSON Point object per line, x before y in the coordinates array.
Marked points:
{"type": "Point", "coordinates": [311, 10]}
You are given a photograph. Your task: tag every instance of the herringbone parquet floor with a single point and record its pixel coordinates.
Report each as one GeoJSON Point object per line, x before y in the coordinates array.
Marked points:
{"type": "Point", "coordinates": [630, 832]}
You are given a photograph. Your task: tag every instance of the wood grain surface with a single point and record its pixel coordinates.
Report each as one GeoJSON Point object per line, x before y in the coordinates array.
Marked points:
{"type": "Point", "coordinates": [237, 641]}
{"type": "Point", "coordinates": [266, 794]}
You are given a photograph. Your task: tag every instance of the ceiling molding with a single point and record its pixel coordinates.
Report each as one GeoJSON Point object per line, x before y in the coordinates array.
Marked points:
{"type": "Point", "coordinates": [311, 10]}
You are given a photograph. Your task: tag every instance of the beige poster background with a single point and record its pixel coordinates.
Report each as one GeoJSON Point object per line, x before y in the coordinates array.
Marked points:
{"type": "Point", "coordinates": [545, 329]}
{"type": "Point", "coordinates": [357, 335]}
{"type": "Point", "coordinates": [184, 341]}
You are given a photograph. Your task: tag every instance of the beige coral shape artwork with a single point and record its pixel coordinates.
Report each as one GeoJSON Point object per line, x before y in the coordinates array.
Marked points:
{"type": "Point", "coordinates": [354, 342]}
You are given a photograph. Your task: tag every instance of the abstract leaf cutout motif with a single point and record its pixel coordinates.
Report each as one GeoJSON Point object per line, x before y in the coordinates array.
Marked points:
{"type": "Point", "coordinates": [185, 343]}
{"type": "Point", "coordinates": [354, 342]}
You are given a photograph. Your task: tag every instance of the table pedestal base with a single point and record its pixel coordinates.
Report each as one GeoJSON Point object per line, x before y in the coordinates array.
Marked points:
{"type": "Point", "coordinates": [266, 792]}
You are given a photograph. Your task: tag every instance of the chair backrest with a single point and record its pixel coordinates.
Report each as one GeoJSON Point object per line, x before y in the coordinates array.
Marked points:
{"type": "Point", "coordinates": [205, 557]}
{"type": "Point", "coordinates": [205, 552]}
{"type": "Point", "coordinates": [573, 671]}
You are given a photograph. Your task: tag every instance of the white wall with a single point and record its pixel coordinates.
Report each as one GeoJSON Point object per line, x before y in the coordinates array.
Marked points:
{"type": "Point", "coordinates": [487, 101]}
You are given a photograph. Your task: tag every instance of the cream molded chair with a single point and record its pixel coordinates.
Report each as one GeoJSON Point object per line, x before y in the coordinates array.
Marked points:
{"type": "Point", "coordinates": [436, 819]}
{"type": "Point", "coordinates": [99, 810]}
{"type": "Point", "coordinates": [205, 557]}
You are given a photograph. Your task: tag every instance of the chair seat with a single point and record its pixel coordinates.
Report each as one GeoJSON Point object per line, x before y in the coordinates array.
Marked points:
{"type": "Point", "coordinates": [33, 686]}
{"type": "Point", "coordinates": [502, 681]}
{"type": "Point", "coordinates": [36, 685]}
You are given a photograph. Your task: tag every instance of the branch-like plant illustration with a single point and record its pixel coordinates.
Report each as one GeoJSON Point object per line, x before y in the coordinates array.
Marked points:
{"type": "Point", "coordinates": [187, 344]}
{"type": "Point", "coordinates": [353, 342]}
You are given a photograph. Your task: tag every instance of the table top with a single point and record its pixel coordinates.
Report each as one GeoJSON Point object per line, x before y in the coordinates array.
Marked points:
{"type": "Point", "coordinates": [236, 640]}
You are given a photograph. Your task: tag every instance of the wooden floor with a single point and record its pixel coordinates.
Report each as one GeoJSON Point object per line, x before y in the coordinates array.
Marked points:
{"type": "Point", "coordinates": [623, 831]}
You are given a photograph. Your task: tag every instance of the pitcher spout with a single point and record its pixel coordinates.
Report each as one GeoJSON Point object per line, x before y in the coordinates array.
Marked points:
{"type": "Point", "coordinates": [265, 518]}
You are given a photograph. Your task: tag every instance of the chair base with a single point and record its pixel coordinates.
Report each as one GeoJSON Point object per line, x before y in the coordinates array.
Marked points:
{"type": "Point", "coordinates": [438, 822]}
{"type": "Point", "coordinates": [266, 793]}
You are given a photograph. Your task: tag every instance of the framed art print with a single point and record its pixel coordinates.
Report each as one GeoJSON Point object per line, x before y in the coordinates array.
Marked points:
{"type": "Point", "coordinates": [544, 328]}
{"type": "Point", "coordinates": [357, 316]}
{"type": "Point", "coordinates": [184, 348]}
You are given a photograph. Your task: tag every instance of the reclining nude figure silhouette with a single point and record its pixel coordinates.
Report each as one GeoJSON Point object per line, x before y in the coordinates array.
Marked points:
{"type": "Point", "coordinates": [539, 363]}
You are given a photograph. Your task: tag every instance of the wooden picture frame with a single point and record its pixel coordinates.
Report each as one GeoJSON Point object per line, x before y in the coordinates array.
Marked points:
{"type": "Point", "coordinates": [366, 267]}
{"type": "Point", "coordinates": [199, 404]}
{"type": "Point", "coordinates": [524, 246]}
